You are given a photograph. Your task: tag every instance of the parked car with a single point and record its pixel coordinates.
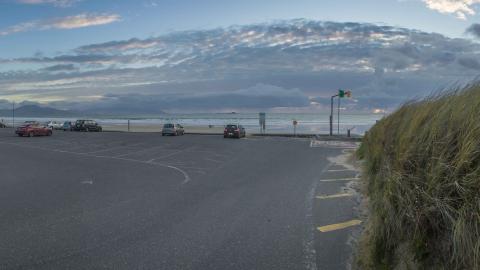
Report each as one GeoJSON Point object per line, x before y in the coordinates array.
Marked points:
{"type": "Point", "coordinates": [33, 129]}
{"type": "Point", "coordinates": [31, 123]}
{"type": "Point", "coordinates": [67, 126]}
{"type": "Point", "coordinates": [234, 131]}
{"type": "Point", "coordinates": [54, 125]}
{"type": "Point", "coordinates": [87, 125]}
{"type": "Point", "coordinates": [172, 129]}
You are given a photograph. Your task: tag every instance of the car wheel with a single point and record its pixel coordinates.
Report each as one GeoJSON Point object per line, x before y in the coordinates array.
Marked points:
{"type": "Point", "coordinates": [30, 134]}
{"type": "Point", "coordinates": [20, 135]}
{"type": "Point", "coordinates": [49, 133]}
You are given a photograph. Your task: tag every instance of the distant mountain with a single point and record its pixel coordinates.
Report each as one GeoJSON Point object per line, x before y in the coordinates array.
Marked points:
{"type": "Point", "coordinates": [37, 111]}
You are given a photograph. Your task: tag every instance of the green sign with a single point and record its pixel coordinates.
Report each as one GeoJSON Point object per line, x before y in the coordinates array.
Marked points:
{"type": "Point", "coordinates": [344, 93]}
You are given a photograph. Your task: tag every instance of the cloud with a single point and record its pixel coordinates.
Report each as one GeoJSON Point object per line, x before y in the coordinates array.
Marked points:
{"type": "Point", "coordinates": [233, 66]}
{"type": "Point", "coordinates": [461, 8]}
{"type": "Point", "coordinates": [474, 30]}
{"type": "Point", "coordinates": [82, 20]}
{"type": "Point", "coordinates": [5, 104]}
{"type": "Point", "coordinates": [57, 3]}
{"type": "Point", "coordinates": [259, 96]}
{"type": "Point", "coordinates": [115, 46]}
{"type": "Point", "coordinates": [67, 67]}
{"type": "Point", "coordinates": [70, 22]}
{"type": "Point", "coordinates": [469, 63]}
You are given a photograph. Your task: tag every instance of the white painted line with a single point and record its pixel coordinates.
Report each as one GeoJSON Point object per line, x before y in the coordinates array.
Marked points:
{"type": "Point", "coordinates": [185, 174]}
{"type": "Point", "coordinates": [142, 150]}
{"type": "Point", "coordinates": [213, 160]}
{"type": "Point", "coordinates": [335, 144]}
{"type": "Point", "coordinates": [310, 254]}
{"type": "Point", "coordinates": [174, 153]}
{"type": "Point", "coordinates": [339, 179]}
{"type": "Point", "coordinates": [339, 195]}
{"type": "Point", "coordinates": [342, 170]}
{"type": "Point", "coordinates": [113, 148]}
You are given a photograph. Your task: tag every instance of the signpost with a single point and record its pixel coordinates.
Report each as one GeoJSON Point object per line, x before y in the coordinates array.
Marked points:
{"type": "Point", "coordinates": [341, 94]}
{"type": "Point", "coordinates": [13, 115]}
{"type": "Point", "coordinates": [331, 115]}
{"type": "Point", "coordinates": [295, 123]}
{"type": "Point", "coordinates": [261, 120]}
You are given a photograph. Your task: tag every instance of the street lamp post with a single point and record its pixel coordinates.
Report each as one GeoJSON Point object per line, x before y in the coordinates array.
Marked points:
{"type": "Point", "coordinates": [13, 115]}
{"type": "Point", "coordinates": [331, 114]}
{"type": "Point", "coordinates": [338, 117]}
{"type": "Point", "coordinates": [341, 94]}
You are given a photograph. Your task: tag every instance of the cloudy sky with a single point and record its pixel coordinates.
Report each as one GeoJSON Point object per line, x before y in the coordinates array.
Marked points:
{"type": "Point", "coordinates": [220, 55]}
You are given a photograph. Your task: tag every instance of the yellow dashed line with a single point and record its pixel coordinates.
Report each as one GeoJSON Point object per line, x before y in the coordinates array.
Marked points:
{"type": "Point", "coordinates": [339, 226]}
{"type": "Point", "coordinates": [339, 195]}
{"type": "Point", "coordinates": [339, 179]}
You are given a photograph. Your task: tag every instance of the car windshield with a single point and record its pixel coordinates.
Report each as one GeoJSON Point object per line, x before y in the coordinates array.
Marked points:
{"type": "Point", "coordinates": [231, 126]}
{"type": "Point", "coordinates": [168, 126]}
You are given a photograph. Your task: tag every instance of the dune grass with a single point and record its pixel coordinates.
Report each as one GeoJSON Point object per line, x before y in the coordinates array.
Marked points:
{"type": "Point", "coordinates": [422, 173]}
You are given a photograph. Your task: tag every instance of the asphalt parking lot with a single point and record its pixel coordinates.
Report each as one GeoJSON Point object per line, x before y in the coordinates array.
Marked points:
{"type": "Point", "coordinates": [142, 201]}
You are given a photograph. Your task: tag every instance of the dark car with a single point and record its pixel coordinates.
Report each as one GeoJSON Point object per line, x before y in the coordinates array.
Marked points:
{"type": "Point", "coordinates": [34, 129]}
{"type": "Point", "coordinates": [67, 126]}
{"type": "Point", "coordinates": [234, 131]}
{"type": "Point", "coordinates": [87, 125]}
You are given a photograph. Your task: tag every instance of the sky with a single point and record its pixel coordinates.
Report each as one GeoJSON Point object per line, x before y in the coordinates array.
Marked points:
{"type": "Point", "coordinates": [214, 55]}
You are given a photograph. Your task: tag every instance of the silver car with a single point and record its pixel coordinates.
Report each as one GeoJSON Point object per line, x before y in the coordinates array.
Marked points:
{"type": "Point", "coordinates": [172, 129]}
{"type": "Point", "coordinates": [54, 125]}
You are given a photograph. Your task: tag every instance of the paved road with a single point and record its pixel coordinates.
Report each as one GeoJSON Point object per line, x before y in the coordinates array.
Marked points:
{"type": "Point", "coordinates": [142, 201]}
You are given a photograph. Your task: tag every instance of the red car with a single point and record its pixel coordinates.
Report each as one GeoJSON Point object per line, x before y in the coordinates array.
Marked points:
{"type": "Point", "coordinates": [235, 131]}
{"type": "Point", "coordinates": [31, 130]}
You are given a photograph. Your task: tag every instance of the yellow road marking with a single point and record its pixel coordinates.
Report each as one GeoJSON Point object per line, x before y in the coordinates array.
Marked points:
{"type": "Point", "coordinates": [339, 226]}
{"type": "Point", "coordinates": [339, 195]}
{"type": "Point", "coordinates": [339, 179]}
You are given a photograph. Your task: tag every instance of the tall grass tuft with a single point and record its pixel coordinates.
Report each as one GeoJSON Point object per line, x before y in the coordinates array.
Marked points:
{"type": "Point", "coordinates": [422, 172]}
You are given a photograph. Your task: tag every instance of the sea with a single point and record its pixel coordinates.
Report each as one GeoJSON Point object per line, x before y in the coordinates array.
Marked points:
{"type": "Point", "coordinates": [308, 123]}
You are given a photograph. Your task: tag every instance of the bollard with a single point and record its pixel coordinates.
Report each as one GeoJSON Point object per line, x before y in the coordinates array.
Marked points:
{"type": "Point", "coordinates": [348, 133]}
